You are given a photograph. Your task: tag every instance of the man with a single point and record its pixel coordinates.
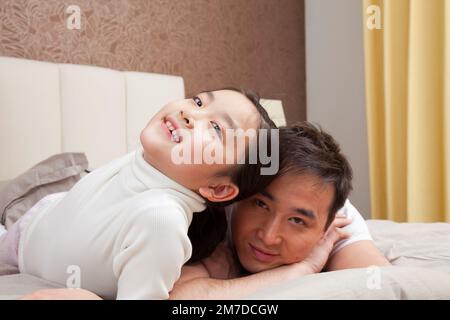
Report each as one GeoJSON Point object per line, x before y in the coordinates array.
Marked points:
{"type": "Point", "coordinates": [289, 230]}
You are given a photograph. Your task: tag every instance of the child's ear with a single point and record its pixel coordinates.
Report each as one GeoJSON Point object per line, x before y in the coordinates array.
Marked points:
{"type": "Point", "coordinates": [219, 193]}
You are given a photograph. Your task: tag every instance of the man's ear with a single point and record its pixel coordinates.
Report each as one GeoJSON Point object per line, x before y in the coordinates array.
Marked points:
{"type": "Point", "coordinates": [220, 193]}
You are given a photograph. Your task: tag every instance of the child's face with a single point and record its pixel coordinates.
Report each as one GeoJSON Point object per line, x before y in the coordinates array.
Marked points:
{"type": "Point", "coordinates": [180, 123]}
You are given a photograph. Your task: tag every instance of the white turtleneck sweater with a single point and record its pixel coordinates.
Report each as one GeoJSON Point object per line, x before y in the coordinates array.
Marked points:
{"type": "Point", "coordinates": [123, 227]}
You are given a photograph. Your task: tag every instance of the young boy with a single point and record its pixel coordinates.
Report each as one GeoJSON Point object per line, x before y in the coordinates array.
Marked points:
{"type": "Point", "coordinates": [121, 231]}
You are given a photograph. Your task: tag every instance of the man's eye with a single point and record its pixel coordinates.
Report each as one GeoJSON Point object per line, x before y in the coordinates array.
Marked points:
{"type": "Point", "coordinates": [198, 101]}
{"type": "Point", "coordinates": [260, 204]}
{"type": "Point", "coordinates": [297, 220]}
{"type": "Point", "coordinates": [217, 128]}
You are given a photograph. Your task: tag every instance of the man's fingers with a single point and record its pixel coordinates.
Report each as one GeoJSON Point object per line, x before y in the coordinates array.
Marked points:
{"type": "Point", "coordinates": [341, 214]}
{"type": "Point", "coordinates": [341, 222]}
{"type": "Point", "coordinates": [335, 231]}
{"type": "Point", "coordinates": [337, 234]}
{"type": "Point", "coordinates": [342, 234]}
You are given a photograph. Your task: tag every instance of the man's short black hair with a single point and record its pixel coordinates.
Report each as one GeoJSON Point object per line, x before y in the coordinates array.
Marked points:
{"type": "Point", "coordinates": [307, 149]}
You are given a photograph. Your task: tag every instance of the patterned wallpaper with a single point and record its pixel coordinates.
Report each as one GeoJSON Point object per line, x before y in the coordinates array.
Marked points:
{"type": "Point", "coordinates": [256, 44]}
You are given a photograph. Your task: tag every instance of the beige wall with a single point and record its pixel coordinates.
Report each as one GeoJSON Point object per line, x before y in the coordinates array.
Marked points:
{"type": "Point", "coordinates": [257, 44]}
{"type": "Point", "coordinates": [335, 83]}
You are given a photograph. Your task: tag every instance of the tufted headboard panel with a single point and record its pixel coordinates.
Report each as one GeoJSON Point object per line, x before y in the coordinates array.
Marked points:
{"type": "Point", "coordinates": [48, 108]}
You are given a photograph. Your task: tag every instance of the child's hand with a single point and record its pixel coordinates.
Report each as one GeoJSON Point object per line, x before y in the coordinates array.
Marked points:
{"type": "Point", "coordinates": [61, 294]}
{"type": "Point", "coordinates": [318, 257]}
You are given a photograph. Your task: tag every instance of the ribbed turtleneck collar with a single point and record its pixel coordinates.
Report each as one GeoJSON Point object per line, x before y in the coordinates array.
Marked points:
{"type": "Point", "coordinates": [152, 178]}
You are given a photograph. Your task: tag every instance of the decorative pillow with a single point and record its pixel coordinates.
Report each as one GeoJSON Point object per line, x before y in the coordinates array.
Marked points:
{"type": "Point", "coordinates": [57, 173]}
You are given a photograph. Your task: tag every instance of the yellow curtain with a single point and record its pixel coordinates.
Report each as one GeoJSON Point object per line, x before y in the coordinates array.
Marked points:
{"type": "Point", "coordinates": [407, 71]}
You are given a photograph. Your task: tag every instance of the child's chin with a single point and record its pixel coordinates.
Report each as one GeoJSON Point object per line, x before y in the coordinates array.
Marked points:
{"type": "Point", "coordinates": [159, 150]}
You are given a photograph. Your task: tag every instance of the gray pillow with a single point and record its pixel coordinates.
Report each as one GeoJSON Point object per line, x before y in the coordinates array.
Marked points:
{"type": "Point", "coordinates": [57, 173]}
{"type": "Point", "coordinates": [391, 282]}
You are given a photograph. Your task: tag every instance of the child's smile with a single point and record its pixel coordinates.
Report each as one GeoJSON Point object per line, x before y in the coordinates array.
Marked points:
{"type": "Point", "coordinates": [170, 126]}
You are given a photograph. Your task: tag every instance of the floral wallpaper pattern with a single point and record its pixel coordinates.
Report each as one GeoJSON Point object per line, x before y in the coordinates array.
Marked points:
{"type": "Point", "coordinates": [256, 44]}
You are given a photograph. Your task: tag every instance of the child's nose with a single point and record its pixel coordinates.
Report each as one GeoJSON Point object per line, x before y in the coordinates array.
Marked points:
{"type": "Point", "coordinates": [187, 119]}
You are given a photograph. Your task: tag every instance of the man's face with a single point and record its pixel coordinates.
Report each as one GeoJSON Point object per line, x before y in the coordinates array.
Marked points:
{"type": "Point", "coordinates": [195, 124]}
{"type": "Point", "coordinates": [282, 224]}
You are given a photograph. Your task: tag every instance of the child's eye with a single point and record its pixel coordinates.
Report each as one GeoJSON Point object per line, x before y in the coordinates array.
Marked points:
{"type": "Point", "coordinates": [297, 220]}
{"type": "Point", "coordinates": [261, 204]}
{"type": "Point", "coordinates": [198, 101]}
{"type": "Point", "coordinates": [217, 128]}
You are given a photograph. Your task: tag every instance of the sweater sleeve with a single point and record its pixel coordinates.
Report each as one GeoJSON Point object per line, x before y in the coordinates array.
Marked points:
{"type": "Point", "coordinates": [152, 247]}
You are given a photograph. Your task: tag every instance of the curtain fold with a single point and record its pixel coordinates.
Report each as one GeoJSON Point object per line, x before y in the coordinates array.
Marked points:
{"type": "Point", "coordinates": [407, 69]}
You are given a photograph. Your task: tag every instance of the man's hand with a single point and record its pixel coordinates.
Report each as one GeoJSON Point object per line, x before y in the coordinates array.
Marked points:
{"type": "Point", "coordinates": [318, 257]}
{"type": "Point", "coordinates": [61, 294]}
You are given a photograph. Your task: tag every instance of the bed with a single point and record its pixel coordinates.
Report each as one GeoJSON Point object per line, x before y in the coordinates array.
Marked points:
{"type": "Point", "coordinates": [419, 253]}
{"type": "Point", "coordinates": [48, 108]}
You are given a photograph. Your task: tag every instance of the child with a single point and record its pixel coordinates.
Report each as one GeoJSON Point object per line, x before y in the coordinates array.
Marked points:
{"type": "Point", "coordinates": [121, 231]}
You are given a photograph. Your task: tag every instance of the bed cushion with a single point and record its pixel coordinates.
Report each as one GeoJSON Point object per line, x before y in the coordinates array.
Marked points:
{"type": "Point", "coordinates": [30, 114]}
{"type": "Point", "coordinates": [395, 282]}
{"type": "Point", "coordinates": [3, 183]}
{"type": "Point", "coordinates": [55, 174]}
{"type": "Point", "coordinates": [17, 285]}
{"type": "Point", "coordinates": [419, 253]}
{"type": "Point", "coordinates": [6, 269]}
{"type": "Point", "coordinates": [424, 245]}
{"type": "Point", "coordinates": [49, 108]}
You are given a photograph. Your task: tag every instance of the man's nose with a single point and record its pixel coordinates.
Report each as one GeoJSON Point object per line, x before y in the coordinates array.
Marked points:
{"type": "Point", "coordinates": [270, 233]}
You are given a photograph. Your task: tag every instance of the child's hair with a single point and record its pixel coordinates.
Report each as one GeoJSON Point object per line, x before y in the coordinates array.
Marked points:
{"type": "Point", "coordinates": [247, 176]}
{"type": "Point", "coordinates": [208, 228]}
{"type": "Point", "coordinates": [307, 149]}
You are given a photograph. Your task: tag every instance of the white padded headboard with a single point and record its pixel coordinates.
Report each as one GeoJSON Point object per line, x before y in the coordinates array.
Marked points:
{"type": "Point", "coordinates": [48, 108]}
